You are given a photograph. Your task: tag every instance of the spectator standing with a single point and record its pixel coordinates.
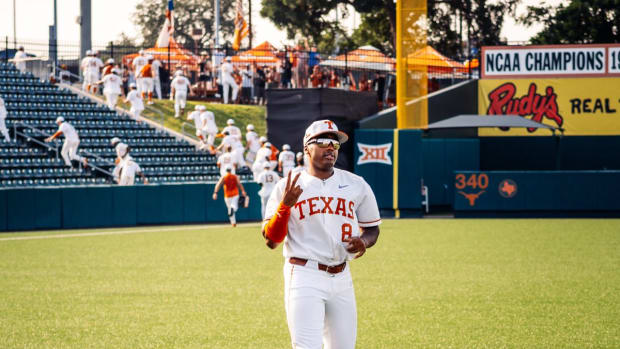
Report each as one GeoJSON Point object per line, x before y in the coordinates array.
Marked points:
{"type": "Point", "coordinates": [133, 97]}
{"type": "Point", "coordinates": [334, 80]}
{"type": "Point", "coordinates": [231, 184]}
{"type": "Point", "coordinates": [259, 84]}
{"type": "Point", "coordinates": [137, 64]}
{"type": "Point", "coordinates": [3, 115]}
{"type": "Point", "coordinates": [247, 83]}
{"type": "Point", "coordinates": [71, 144]}
{"type": "Point", "coordinates": [317, 77]}
{"type": "Point", "coordinates": [286, 73]}
{"type": "Point", "coordinates": [364, 84]}
{"type": "Point", "coordinates": [111, 88]}
{"type": "Point", "coordinates": [228, 81]}
{"type": "Point", "coordinates": [180, 85]}
{"type": "Point", "coordinates": [267, 180]}
{"type": "Point", "coordinates": [286, 160]}
{"type": "Point", "coordinates": [313, 58]}
{"type": "Point", "coordinates": [19, 59]}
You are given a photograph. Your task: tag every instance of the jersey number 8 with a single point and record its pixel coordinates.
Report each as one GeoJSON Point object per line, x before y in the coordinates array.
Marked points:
{"type": "Point", "coordinates": [347, 231]}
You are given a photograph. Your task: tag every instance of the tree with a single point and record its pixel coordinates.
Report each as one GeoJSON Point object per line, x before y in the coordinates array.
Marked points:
{"type": "Point", "coordinates": [581, 22]}
{"type": "Point", "coordinates": [150, 16]}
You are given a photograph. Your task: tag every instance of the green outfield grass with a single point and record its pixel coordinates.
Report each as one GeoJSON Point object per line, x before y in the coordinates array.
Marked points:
{"type": "Point", "coordinates": [427, 283]}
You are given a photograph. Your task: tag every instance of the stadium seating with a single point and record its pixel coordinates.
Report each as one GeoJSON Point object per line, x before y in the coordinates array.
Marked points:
{"type": "Point", "coordinates": [33, 107]}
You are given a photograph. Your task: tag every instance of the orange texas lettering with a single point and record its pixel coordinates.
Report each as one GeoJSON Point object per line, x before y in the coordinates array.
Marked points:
{"type": "Point", "coordinates": [325, 205]}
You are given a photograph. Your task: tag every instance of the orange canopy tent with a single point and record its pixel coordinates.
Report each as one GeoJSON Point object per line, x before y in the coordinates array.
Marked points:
{"type": "Point", "coordinates": [178, 55]}
{"type": "Point", "coordinates": [435, 62]}
{"type": "Point", "coordinates": [363, 58]}
{"type": "Point", "coordinates": [263, 54]}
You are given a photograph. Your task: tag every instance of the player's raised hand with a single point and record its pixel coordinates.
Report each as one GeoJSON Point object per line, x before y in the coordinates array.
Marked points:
{"type": "Point", "coordinates": [292, 191]}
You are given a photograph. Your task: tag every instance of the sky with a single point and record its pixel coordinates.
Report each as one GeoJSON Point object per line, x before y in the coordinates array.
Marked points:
{"type": "Point", "coordinates": [33, 26]}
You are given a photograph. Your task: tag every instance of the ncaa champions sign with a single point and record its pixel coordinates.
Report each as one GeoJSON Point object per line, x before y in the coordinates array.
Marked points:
{"type": "Point", "coordinates": [374, 154]}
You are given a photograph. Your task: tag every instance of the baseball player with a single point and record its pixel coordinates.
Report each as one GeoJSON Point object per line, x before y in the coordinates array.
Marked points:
{"type": "Point", "coordinates": [209, 128]}
{"type": "Point", "coordinates": [252, 144]}
{"type": "Point", "coordinates": [236, 146]}
{"type": "Point", "coordinates": [286, 160]}
{"type": "Point", "coordinates": [231, 184]}
{"type": "Point", "coordinates": [112, 87]}
{"type": "Point", "coordinates": [301, 163]}
{"type": "Point", "coordinates": [129, 171]}
{"type": "Point", "coordinates": [137, 64]}
{"type": "Point", "coordinates": [108, 67]}
{"type": "Point", "coordinates": [325, 217]}
{"type": "Point", "coordinates": [122, 150]}
{"type": "Point", "coordinates": [146, 75]}
{"type": "Point", "coordinates": [133, 97]}
{"type": "Point", "coordinates": [262, 156]}
{"type": "Point", "coordinates": [3, 114]}
{"type": "Point", "coordinates": [226, 162]}
{"type": "Point", "coordinates": [179, 87]}
{"type": "Point", "coordinates": [267, 181]}
{"type": "Point", "coordinates": [228, 81]}
{"type": "Point", "coordinates": [199, 122]}
{"type": "Point", "coordinates": [155, 66]}
{"type": "Point", "coordinates": [71, 144]}
{"type": "Point", "coordinates": [232, 129]}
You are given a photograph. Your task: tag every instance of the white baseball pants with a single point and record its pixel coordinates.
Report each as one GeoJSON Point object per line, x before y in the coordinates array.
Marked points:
{"type": "Point", "coordinates": [228, 83]}
{"type": "Point", "coordinates": [179, 102]}
{"type": "Point", "coordinates": [69, 152]}
{"type": "Point", "coordinates": [232, 206]}
{"type": "Point", "coordinates": [320, 307]}
{"type": "Point", "coordinates": [157, 83]}
{"type": "Point", "coordinates": [135, 112]}
{"type": "Point", "coordinates": [111, 98]}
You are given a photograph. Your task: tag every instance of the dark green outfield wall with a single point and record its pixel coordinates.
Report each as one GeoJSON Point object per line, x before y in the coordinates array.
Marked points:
{"type": "Point", "coordinates": [113, 206]}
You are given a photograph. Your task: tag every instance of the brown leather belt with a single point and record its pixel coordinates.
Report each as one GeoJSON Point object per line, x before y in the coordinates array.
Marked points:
{"type": "Point", "coordinates": [332, 269]}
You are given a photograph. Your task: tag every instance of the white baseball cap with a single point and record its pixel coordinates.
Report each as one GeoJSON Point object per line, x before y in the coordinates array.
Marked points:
{"type": "Point", "coordinates": [110, 61]}
{"type": "Point", "coordinates": [149, 57]}
{"type": "Point", "coordinates": [141, 51]}
{"type": "Point", "coordinates": [262, 139]}
{"type": "Point", "coordinates": [267, 144]}
{"type": "Point", "coordinates": [323, 127]}
{"type": "Point", "coordinates": [201, 107]}
{"type": "Point", "coordinates": [299, 155]}
{"type": "Point", "coordinates": [60, 119]}
{"type": "Point", "coordinates": [250, 127]}
{"type": "Point", "coordinates": [230, 122]}
{"type": "Point", "coordinates": [178, 73]}
{"type": "Point", "coordinates": [286, 147]}
{"type": "Point", "coordinates": [89, 52]}
{"type": "Point", "coordinates": [228, 59]}
{"type": "Point", "coordinates": [115, 140]}
{"type": "Point", "coordinates": [116, 71]}
{"type": "Point", "coordinates": [132, 85]}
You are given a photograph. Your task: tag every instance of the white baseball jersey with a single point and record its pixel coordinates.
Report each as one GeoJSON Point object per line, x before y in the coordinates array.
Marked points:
{"type": "Point", "coordinates": [233, 131]}
{"type": "Point", "coordinates": [135, 99]}
{"type": "Point", "coordinates": [198, 120]}
{"type": "Point", "coordinates": [155, 68]}
{"type": "Point", "coordinates": [93, 65]}
{"type": "Point", "coordinates": [128, 174]}
{"type": "Point", "coordinates": [227, 70]}
{"type": "Point", "coordinates": [225, 161]}
{"type": "Point", "coordinates": [180, 84]}
{"type": "Point", "coordinates": [69, 131]}
{"type": "Point", "coordinates": [19, 64]}
{"type": "Point", "coordinates": [287, 158]}
{"type": "Point", "coordinates": [210, 126]}
{"type": "Point", "coordinates": [233, 141]}
{"type": "Point", "coordinates": [138, 63]}
{"type": "Point", "coordinates": [263, 153]}
{"type": "Point", "coordinates": [327, 212]}
{"type": "Point", "coordinates": [112, 84]}
{"type": "Point", "coordinates": [251, 139]}
{"type": "Point", "coordinates": [85, 63]}
{"type": "Point", "coordinates": [268, 178]}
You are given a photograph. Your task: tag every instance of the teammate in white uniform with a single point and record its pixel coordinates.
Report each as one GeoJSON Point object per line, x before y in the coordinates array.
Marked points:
{"type": "Point", "coordinates": [71, 144]}
{"type": "Point", "coordinates": [199, 122]}
{"type": "Point", "coordinates": [156, 79]}
{"type": "Point", "coordinates": [112, 88]}
{"type": "Point", "coordinates": [232, 129]}
{"type": "Point", "coordinates": [301, 163]}
{"type": "Point", "coordinates": [286, 160]}
{"type": "Point", "coordinates": [137, 64]}
{"type": "Point", "coordinates": [252, 144]}
{"type": "Point", "coordinates": [231, 184]}
{"type": "Point", "coordinates": [129, 171]}
{"type": "Point", "coordinates": [209, 128]}
{"type": "Point", "coordinates": [179, 87]}
{"type": "Point", "coordinates": [326, 217]}
{"type": "Point", "coordinates": [236, 146]}
{"type": "Point", "coordinates": [3, 115]}
{"type": "Point", "coordinates": [122, 150]}
{"type": "Point", "coordinates": [133, 97]}
{"type": "Point", "coordinates": [226, 162]}
{"type": "Point", "coordinates": [228, 81]}
{"type": "Point", "coordinates": [262, 156]}
{"type": "Point", "coordinates": [18, 59]}
{"type": "Point", "coordinates": [267, 180]}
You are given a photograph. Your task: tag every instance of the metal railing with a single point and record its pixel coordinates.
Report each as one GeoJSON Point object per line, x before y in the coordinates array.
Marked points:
{"type": "Point", "coordinates": [185, 125]}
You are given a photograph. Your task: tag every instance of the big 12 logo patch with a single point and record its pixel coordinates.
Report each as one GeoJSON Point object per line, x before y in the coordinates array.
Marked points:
{"type": "Point", "coordinates": [374, 153]}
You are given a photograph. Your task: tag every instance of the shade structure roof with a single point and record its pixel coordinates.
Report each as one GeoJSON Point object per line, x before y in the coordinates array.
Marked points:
{"type": "Point", "coordinates": [433, 60]}
{"type": "Point", "coordinates": [363, 58]}
{"type": "Point", "coordinates": [178, 55]}
{"type": "Point", "coordinates": [470, 121]}
{"type": "Point", "coordinates": [263, 54]}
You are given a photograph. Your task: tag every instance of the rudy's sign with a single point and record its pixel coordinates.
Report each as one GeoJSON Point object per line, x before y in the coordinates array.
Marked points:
{"type": "Point", "coordinates": [551, 61]}
{"type": "Point", "coordinates": [581, 106]}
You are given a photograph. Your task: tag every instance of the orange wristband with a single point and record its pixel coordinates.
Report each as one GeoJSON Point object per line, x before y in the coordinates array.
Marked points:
{"type": "Point", "coordinates": [277, 227]}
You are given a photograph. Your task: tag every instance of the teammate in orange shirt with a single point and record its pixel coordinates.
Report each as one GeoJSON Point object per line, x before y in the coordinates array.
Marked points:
{"type": "Point", "coordinates": [231, 184]}
{"type": "Point", "coordinates": [146, 73]}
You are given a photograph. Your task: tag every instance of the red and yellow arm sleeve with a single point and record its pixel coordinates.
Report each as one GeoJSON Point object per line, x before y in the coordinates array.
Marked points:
{"type": "Point", "coordinates": [277, 227]}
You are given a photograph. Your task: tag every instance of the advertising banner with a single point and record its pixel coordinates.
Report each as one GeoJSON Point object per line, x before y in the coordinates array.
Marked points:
{"type": "Point", "coordinates": [581, 106]}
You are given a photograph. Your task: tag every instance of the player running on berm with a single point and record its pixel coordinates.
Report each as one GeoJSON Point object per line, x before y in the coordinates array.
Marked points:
{"type": "Point", "coordinates": [326, 217]}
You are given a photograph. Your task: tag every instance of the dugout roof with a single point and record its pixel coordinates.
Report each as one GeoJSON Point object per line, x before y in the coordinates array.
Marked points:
{"type": "Point", "coordinates": [477, 121]}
